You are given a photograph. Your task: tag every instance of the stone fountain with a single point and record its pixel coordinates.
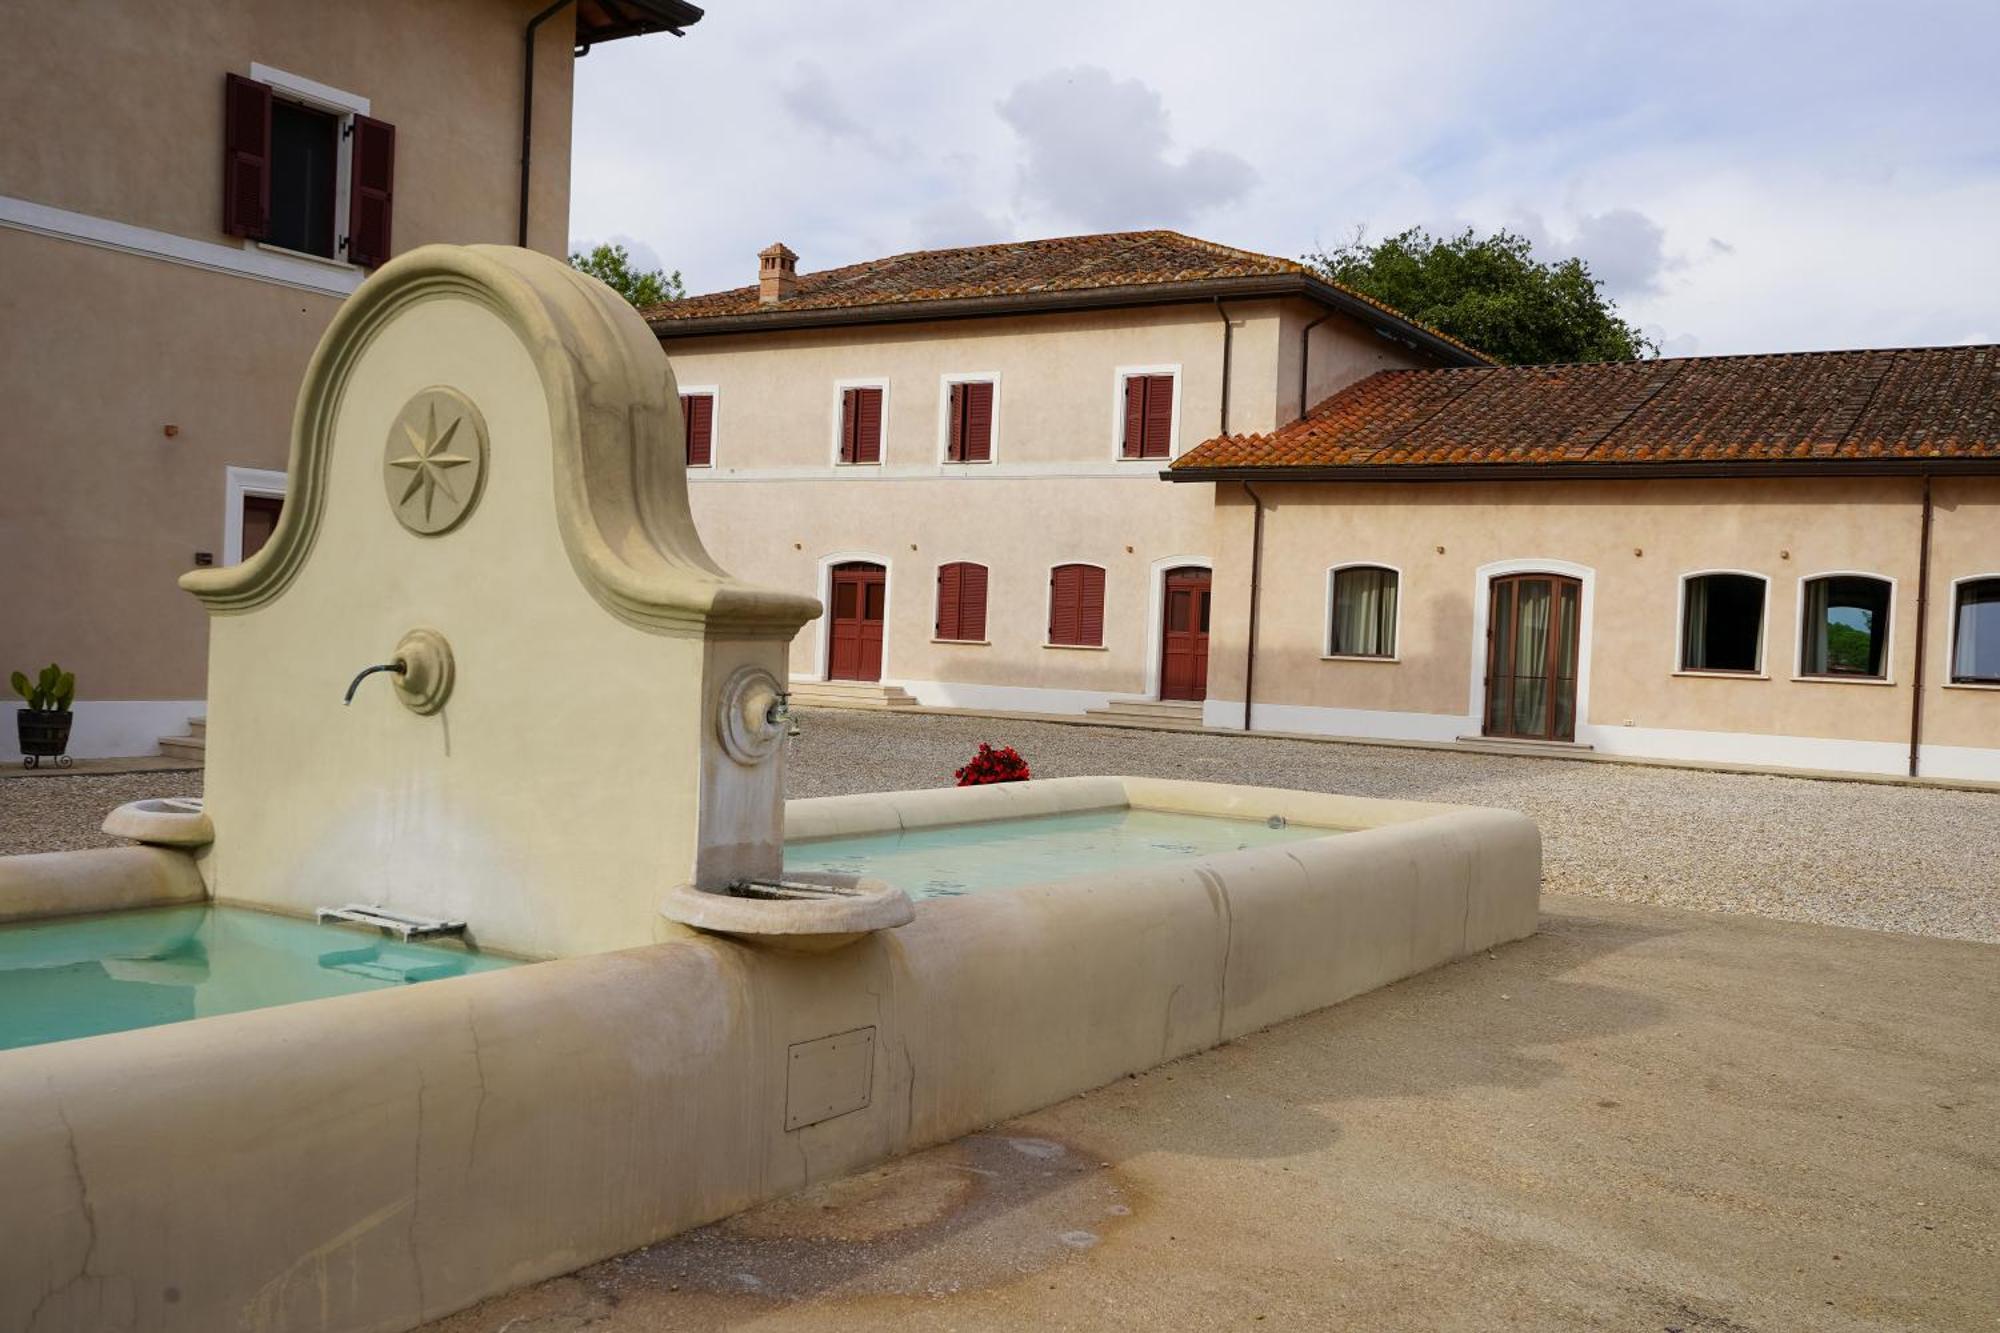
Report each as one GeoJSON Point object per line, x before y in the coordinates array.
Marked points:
{"type": "Point", "coordinates": [487, 491]}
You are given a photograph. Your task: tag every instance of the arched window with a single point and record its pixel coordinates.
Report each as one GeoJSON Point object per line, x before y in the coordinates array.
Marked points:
{"type": "Point", "coordinates": [1722, 622]}
{"type": "Point", "coordinates": [961, 601]}
{"type": "Point", "coordinates": [1844, 630]}
{"type": "Point", "coordinates": [1363, 612]}
{"type": "Point", "coordinates": [1076, 606]}
{"type": "Point", "coordinates": [1975, 658]}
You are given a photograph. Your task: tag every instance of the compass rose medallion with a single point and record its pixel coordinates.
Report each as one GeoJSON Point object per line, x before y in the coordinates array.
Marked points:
{"type": "Point", "coordinates": [435, 461]}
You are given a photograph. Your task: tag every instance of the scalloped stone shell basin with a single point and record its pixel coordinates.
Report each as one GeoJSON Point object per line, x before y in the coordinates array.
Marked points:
{"type": "Point", "coordinates": [80, 976]}
{"type": "Point", "coordinates": [954, 859]}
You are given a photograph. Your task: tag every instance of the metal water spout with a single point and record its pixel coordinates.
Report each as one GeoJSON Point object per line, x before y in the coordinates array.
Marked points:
{"type": "Point", "coordinates": [399, 667]}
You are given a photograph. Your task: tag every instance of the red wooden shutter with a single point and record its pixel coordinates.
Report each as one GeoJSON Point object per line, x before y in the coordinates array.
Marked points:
{"type": "Point", "coordinates": [1090, 606]}
{"type": "Point", "coordinates": [948, 601]}
{"type": "Point", "coordinates": [867, 425]}
{"type": "Point", "coordinates": [371, 192]}
{"type": "Point", "coordinates": [848, 411]}
{"type": "Point", "coordinates": [1076, 606]}
{"type": "Point", "coordinates": [698, 411]}
{"type": "Point", "coordinates": [1062, 604]}
{"type": "Point", "coordinates": [972, 602]}
{"type": "Point", "coordinates": [977, 445]}
{"type": "Point", "coordinates": [1135, 414]}
{"type": "Point", "coordinates": [955, 414]}
{"type": "Point", "coordinates": [246, 157]}
{"type": "Point", "coordinates": [1159, 426]}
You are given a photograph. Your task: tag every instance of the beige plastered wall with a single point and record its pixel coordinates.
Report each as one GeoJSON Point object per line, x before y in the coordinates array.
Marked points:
{"type": "Point", "coordinates": [1636, 540]}
{"type": "Point", "coordinates": [777, 508]}
{"type": "Point", "coordinates": [101, 350]}
{"type": "Point", "coordinates": [373, 1161]}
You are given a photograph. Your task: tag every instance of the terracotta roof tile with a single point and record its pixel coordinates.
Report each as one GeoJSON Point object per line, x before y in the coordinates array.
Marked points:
{"type": "Point", "coordinates": [1095, 262]}
{"type": "Point", "coordinates": [1932, 402]}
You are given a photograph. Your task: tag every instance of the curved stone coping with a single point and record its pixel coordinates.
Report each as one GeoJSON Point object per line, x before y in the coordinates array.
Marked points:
{"type": "Point", "coordinates": [811, 925]}
{"type": "Point", "coordinates": [101, 879]}
{"type": "Point", "coordinates": [441, 1143]}
{"type": "Point", "coordinates": [163, 821]}
{"type": "Point", "coordinates": [886, 812]}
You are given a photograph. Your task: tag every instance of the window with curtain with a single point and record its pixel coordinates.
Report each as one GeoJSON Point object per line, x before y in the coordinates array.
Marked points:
{"type": "Point", "coordinates": [1845, 628]}
{"type": "Point", "coordinates": [1364, 612]}
{"type": "Point", "coordinates": [1975, 658]}
{"type": "Point", "coordinates": [1722, 622]}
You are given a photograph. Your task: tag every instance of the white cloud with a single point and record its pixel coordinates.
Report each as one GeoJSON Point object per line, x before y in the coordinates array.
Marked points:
{"type": "Point", "coordinates": [1095, 152]}
{"type": "Point", "coordinates": [1752, 177]}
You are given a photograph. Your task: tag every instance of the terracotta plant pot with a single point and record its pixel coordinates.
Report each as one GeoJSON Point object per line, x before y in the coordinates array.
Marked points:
{"type": "Point", "coordinates": [44, 734]}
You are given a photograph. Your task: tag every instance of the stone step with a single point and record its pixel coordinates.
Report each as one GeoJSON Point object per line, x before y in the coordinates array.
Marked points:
{"type": "Point", "coordinates": [1508, 745]}
{"type": "Point", "coordinates": [184, 747]}
{"type": "Point", "coordinates": [850, 694]}
{"type": "Point", "coordinates": [1164, 715]}
{"type": "Point", "coordinates": [198, 728]}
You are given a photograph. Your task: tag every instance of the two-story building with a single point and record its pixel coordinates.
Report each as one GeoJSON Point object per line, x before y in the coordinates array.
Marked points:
{"type": "Point", "coordinates": [187, 192]}
{"type": "Point", "coordinates": [1786, 560]}
{"type": "Point", "coordinates": [959, 451]}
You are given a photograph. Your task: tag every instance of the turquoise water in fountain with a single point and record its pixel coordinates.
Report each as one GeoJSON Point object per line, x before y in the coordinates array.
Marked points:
{"type": "Point", "coordinates": [998, 854]}
{"type": "Point", "coordinates": [84, 975]}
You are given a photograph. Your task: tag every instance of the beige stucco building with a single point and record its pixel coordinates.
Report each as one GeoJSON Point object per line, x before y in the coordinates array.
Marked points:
{"type": "Point", "coordinates": [1790, 561]}
{"type": "Point", "coordinates": [1057, 339]}
{"type": "Point", "coordinates": [1729, 559]}
{"type": "Point", "coordinates": [186, 195]}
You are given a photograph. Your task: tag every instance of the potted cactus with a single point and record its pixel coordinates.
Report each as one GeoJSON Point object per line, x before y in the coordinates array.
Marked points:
{"type": "Point", "coordinates": [44, 723]}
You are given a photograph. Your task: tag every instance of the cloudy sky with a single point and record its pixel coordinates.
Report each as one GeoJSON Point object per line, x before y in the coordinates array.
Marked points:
{"type": "Point", "coordinates": [1748, 176]}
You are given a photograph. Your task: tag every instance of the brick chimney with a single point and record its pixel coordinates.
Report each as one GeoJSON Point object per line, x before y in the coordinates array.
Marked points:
{"type": "Point", "coordinates": [777, 273]}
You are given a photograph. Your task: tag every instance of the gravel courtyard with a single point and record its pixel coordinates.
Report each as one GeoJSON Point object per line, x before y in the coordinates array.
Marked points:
{"type": "Point", "coordinates": [1918, 860]}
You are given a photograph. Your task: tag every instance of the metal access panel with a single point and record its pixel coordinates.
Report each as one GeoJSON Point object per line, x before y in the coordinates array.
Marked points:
{"type": "Point", "coordinates": [829, 1076]}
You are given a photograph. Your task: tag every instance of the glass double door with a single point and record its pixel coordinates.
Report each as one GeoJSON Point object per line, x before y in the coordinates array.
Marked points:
{"type": "Point", "coordinates": [1531, 644]}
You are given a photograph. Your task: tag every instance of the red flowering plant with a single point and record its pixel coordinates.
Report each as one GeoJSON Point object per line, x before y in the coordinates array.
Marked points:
{"type": "Point", "coordinates": [991, 765]}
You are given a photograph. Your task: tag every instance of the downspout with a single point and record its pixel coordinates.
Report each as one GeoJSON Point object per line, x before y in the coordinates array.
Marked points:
{"type": "Point", "coordinates": [1256, 584]}
{"type": "Point", "coordinates": [1305, 358]}
{"type": "Point", "coordinates": [1923, 629]}
{"type": "Point", "coordinates": [1228, 334]}
{"type": "Point", "coordinates": [528, 108]}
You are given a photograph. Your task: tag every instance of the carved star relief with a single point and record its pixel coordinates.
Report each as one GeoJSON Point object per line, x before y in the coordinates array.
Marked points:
{"type": "Point", "coordinates": [429, 462]}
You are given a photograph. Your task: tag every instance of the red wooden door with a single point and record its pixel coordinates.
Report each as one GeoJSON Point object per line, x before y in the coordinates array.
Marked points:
{"type": "Point", "coordinates": [1184, 636]}
{"type": "Point", "coordinates": [1531, 644]}
{"type": "Point", "coordinates": [854, 648]}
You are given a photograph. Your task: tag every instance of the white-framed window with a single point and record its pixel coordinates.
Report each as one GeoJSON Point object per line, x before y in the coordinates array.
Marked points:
{"type": "Point", "coordinates": [1722, 617]}
{"type": "Point", "coordinates": [968, 417]}
{"type": "Point", "coordinates": [1146, 413]}
{"type": "Point", "coordinates": [306, 169]}
{"type": "Point", "coordinates": [1975, 630]}
{"type": "Point", "coordinates": [252, 500]}
{"type": "Point", "coordinates": [698, 411]}
{"type": "Point", "coordinates": [860, 422]}
{"type": "Point", "coordinates": [1845, 621]}
{"type": "Point", "coordinates": [1363, 610]}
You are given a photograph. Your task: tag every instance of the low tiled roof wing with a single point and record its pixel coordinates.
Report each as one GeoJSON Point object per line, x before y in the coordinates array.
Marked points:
{"type": "Point", "coordinates": [1895, 405]}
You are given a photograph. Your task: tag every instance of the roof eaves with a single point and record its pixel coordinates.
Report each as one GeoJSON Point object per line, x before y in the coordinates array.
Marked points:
{"type": "Point", "coordinates": [1535, 471]}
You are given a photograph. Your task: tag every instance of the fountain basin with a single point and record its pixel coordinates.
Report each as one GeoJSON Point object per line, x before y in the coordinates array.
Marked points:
{"type": "Point", "coordinates": [374, 1160]}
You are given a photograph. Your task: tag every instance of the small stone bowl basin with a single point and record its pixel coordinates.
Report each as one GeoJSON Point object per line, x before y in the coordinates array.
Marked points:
{"type": "Point", "coordinates": [803, 913]}
{"type": "Point", "coordinates": [162, 821]}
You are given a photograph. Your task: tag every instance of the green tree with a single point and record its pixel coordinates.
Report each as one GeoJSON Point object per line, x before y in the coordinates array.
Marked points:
{"type": "Point", "coordinates": [610, 265]}
{"type": "Point", "coordinates": [1492, 294]}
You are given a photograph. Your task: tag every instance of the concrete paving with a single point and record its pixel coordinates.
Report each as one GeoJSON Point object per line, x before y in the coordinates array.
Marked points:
{"type": "Point", "coordinates": [1641, 1118]}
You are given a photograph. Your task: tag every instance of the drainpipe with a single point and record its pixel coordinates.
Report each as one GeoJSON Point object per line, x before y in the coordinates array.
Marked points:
{"type": "Point", "coordinates": [1256, 583]}
{"type": "Point", "coordinates": [1305, 355]}
{"type": "Point", "coordinates": [1228, 334]}
{"type": "Point", "coordinates": [528, 107]}
{"type": "Point", "coordinates": [1923, 629]}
